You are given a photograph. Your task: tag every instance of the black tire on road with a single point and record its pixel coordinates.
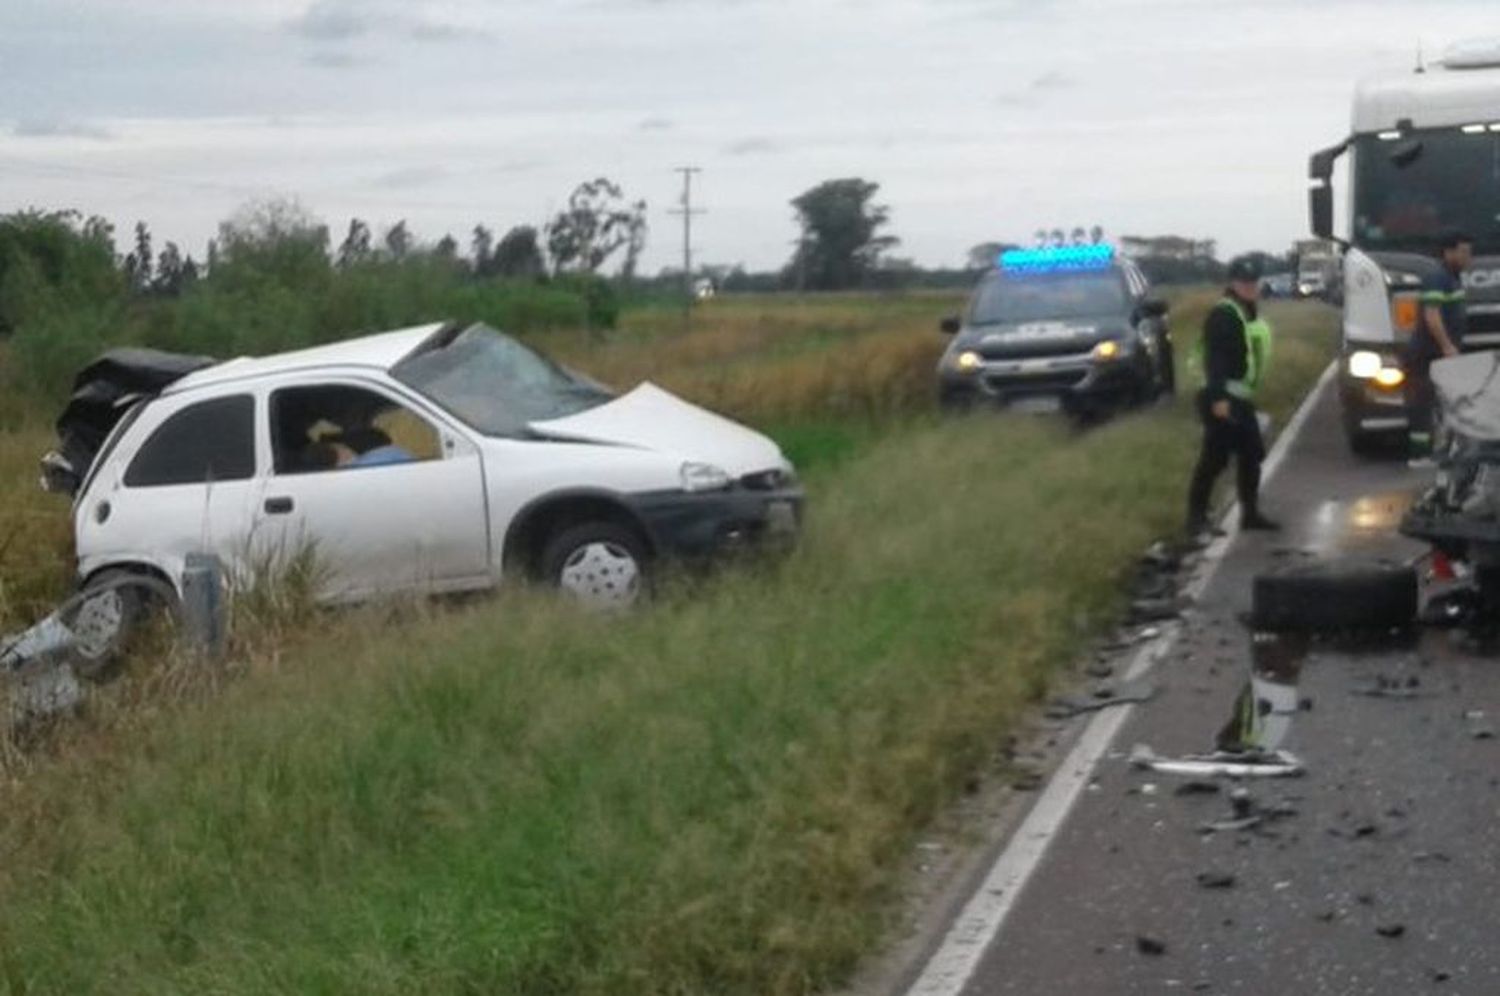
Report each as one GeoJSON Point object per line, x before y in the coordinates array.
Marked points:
{"type": "Point", "coordinates": [1335, 596]}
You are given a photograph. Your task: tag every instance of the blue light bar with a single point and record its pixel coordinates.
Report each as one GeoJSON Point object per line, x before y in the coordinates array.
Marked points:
{"type": "Point", "coordinates": [1089, 257]}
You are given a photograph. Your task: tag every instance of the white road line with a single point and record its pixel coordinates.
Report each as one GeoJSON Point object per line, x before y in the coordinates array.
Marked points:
{"type": "Point", "coordinates": [953, 964]}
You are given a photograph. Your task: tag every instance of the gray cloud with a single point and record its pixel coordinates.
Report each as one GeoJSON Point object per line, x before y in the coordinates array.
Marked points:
{"type": "Point", "coordinates": [444, 31]}
{"type": "Point", "coordinates": [408, 177]}
{"type": "Point", "coordinates": [59, 128]}
{"type": "Point", "coordinates": [656, 124]}
{"type": "Point", "coordinates": [751, 147]}
{"type": "Point", "coordinates": [336, 21]}
{"type": "Point", "coordinates": [333, 20]}
{"type": "Point", "coordinates": [1052, 80]}
{"type": "Point", "coordinates": [334, 60]}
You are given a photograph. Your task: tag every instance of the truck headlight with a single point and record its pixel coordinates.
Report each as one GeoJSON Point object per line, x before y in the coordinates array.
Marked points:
{"type": "Point", "coordinates": [968, 361]}
{"type": "Point", "coordinates": [1106, 350]}
{"type": "Point", "coordinates": [1365, 364]}
{"type": "Point", "coordinates": [704, 477]}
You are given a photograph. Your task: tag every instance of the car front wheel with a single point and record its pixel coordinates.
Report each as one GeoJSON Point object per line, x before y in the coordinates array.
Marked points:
{"type": "Point", "coordinates": [601, 564]}
{"type": "Point", "coordinates": [111, 617]}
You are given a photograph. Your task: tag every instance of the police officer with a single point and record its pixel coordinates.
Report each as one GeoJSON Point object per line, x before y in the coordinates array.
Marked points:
{"type": "Point", "coordinates": [1235, 349]}
{"type": "Point", "coordinates": [1439, 333]}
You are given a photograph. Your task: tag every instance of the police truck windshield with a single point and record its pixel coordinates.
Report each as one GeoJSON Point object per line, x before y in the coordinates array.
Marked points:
{"type": "Point", "coordinates": [1005, 298]}
{"type": "Point", "coordinates": [1408, 189]}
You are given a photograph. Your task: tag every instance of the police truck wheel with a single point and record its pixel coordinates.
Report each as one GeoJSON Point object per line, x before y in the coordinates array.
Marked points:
{"type": "Point", "coordinates": [1335, 596]}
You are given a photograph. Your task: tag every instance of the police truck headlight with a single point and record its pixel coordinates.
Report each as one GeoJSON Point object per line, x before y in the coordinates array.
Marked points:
{"type": "Point", "coordinates": [968, 361]}
{"type": "Point", "coordinates": [1107, 350]}
{"type": "Point", "coordinates": [1365, 364]}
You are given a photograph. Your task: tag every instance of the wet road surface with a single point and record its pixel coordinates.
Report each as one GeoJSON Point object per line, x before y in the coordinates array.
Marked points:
{"type": "Point", "coordinates": [1374, 873]}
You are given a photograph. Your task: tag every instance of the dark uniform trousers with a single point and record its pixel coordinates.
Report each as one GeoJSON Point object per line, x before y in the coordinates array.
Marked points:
{"type": "Point", "coordinates": [1238, 437]}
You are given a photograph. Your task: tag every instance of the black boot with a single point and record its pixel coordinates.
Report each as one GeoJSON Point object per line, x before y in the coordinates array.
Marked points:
{"type": "Point", "coordinates": [1255, 522]}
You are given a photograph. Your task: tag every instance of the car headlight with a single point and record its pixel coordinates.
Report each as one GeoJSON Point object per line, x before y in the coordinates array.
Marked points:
{"type": "Point", "coordinates": [968, 361]}
{"type": "Point", "coordinates": [704, 477]}
{"type": "Point", "coordinates": [1106, 350]}
{"type": "Point", "coordinates": [1365, 364]}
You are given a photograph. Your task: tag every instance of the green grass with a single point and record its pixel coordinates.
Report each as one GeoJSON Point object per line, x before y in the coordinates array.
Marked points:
{"type": "Point", "coordinates": [709, 796]}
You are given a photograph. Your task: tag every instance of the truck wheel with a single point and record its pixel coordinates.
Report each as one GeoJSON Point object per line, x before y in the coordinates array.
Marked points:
{"type": "Point", "coordinates": [1336, 596]}
{"type": "Point", "coordinates": [601, 564]}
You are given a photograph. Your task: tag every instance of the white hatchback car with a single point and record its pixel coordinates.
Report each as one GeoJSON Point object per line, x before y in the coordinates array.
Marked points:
{"type": "Point", "coordinates": [438, 458]}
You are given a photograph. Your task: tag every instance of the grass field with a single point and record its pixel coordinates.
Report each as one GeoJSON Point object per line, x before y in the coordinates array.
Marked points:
{"type": "Point", "coordinates": [710, 796]}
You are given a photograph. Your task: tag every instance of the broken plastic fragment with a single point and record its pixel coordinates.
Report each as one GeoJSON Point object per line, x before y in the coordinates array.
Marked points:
{"type": "Point", "coordinates": [1220, 764]}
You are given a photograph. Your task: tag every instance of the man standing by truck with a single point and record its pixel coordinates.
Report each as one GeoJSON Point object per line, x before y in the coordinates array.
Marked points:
{"type": "Point", "coordinates": [1235, 348]}
{"type": "Point", "coordinates": [1439, 333]}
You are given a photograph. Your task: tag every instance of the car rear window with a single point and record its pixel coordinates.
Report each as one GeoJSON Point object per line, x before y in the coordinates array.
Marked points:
{"type": "Point", "coordinates": [209, 441]}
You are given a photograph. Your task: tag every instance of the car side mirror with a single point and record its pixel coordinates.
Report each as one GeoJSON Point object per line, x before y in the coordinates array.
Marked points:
{"type": "Point", "coordinates": [1154, 307]}
{"type": "Point", "coordinates": [950, 325]}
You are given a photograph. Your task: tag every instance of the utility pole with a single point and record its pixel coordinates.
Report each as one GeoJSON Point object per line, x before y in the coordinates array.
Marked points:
{"type": "Point", "coordinates": [687, 211]}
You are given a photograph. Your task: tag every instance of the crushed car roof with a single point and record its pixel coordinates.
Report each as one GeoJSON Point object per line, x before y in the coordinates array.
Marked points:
{"type": "Point", "coordinates": [382, 351]}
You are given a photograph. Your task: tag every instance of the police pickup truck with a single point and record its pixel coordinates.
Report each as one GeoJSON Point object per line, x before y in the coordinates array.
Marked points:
{"type": "Point", "coordinates": [1070, 328]}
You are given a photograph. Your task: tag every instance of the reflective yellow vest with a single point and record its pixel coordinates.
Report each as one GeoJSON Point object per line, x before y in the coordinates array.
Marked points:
{"type": "Point", "coordinates": [1257, 352]}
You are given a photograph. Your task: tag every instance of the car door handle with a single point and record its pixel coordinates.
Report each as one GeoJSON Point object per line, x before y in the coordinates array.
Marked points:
{"type": "Point", "coordinates": [278, 506]}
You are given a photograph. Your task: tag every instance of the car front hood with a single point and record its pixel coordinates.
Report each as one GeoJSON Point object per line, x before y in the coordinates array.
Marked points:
{"type": "Point", "coordinates": [652, 419]}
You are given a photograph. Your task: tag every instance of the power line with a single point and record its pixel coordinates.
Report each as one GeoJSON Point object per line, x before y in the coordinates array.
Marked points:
{"type": "Point", "coordinates": [687, 211]}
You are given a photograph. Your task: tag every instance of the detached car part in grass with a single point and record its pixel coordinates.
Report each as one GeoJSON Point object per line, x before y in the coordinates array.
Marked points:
{"type": "Point", "coordinates": [1073, 328]}
{"type": "Point", "coordinates": [438, 458]}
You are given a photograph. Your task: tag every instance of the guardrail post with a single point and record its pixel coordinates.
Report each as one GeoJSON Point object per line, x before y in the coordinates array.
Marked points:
{"type": "Point", "coordinates": [204, 610]}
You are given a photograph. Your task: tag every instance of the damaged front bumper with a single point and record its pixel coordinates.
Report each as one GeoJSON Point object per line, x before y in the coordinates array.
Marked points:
{"type": "Point", "coordinates": [697, 525]}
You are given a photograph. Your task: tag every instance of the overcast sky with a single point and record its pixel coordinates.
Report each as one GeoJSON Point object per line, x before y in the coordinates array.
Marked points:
{"type": "Point", "coordinates": [980, 119]}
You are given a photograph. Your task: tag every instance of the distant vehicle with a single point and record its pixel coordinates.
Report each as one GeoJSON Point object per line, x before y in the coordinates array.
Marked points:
{"type": "Point", "coordinates": [1277, 285]}
{"type": "Point", "coordinates": [1072, 328]}
{"type": "Point", "coordinates": [1418, 142]}
{"type": "Point", "coordinates": [703, 288]}
{"type": "Point", "coordinates": [430, 459]}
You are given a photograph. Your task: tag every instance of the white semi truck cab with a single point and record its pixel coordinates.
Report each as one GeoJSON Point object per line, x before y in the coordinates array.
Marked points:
{"type": "Point", "coordinates": [1424, 156]}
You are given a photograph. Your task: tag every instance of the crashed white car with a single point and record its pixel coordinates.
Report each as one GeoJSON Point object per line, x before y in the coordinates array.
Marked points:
{"type": "Point", "coordinates": [439, 458]}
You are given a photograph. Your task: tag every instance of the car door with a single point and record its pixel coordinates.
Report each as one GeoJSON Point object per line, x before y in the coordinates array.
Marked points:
{"type": "Point", "coordinates": [181, 480]}
{"type": "Point", "coordinates": [416, 524]}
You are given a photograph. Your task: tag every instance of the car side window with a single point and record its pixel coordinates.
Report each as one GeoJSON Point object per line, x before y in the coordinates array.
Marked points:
{"type": "Point", "coordinates": [209, 441]}
{"type": "Point", "coordinates": [324, 427]}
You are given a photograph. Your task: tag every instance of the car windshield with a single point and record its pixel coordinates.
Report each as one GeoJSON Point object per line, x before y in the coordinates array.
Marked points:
{"type": "Point", "coordinates": [1048, 296]}
{"type": "Point", "coordinates": [1407, 190]}
{"type": "Point", "coordinates": [495, 384]}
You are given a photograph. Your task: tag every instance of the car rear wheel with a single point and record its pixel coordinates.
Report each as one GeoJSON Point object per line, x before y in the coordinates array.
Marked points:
{"type": "Point", "coordinates": [603, 565]}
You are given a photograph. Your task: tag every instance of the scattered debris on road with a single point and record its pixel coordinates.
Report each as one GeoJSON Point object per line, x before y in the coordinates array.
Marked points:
{"type": "Point", "coordinates": [1150, 945]}
{"type": "Point", "coordinates": [1220, 764]}
{"type": "Point", "coordinates": [1217, 880]}
{"type": "Point", "coordinates": [1103, 697]}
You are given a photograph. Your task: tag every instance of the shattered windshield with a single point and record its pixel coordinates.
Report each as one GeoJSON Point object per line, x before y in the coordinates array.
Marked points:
{"type": "Point", "coordinates": [1048, 297]}
{"type": "Point", "coordinates": [495, 384]}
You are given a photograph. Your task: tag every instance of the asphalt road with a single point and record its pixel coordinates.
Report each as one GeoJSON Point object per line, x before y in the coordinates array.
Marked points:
{"type": "Point", "coordinates": [1395, 823]}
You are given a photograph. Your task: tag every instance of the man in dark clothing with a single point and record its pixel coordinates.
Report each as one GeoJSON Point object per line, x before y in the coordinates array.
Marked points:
{"type": "Point", "coordinates": [1226, 403]}
{"type": "Point", "coordinates": [1440, 330]}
